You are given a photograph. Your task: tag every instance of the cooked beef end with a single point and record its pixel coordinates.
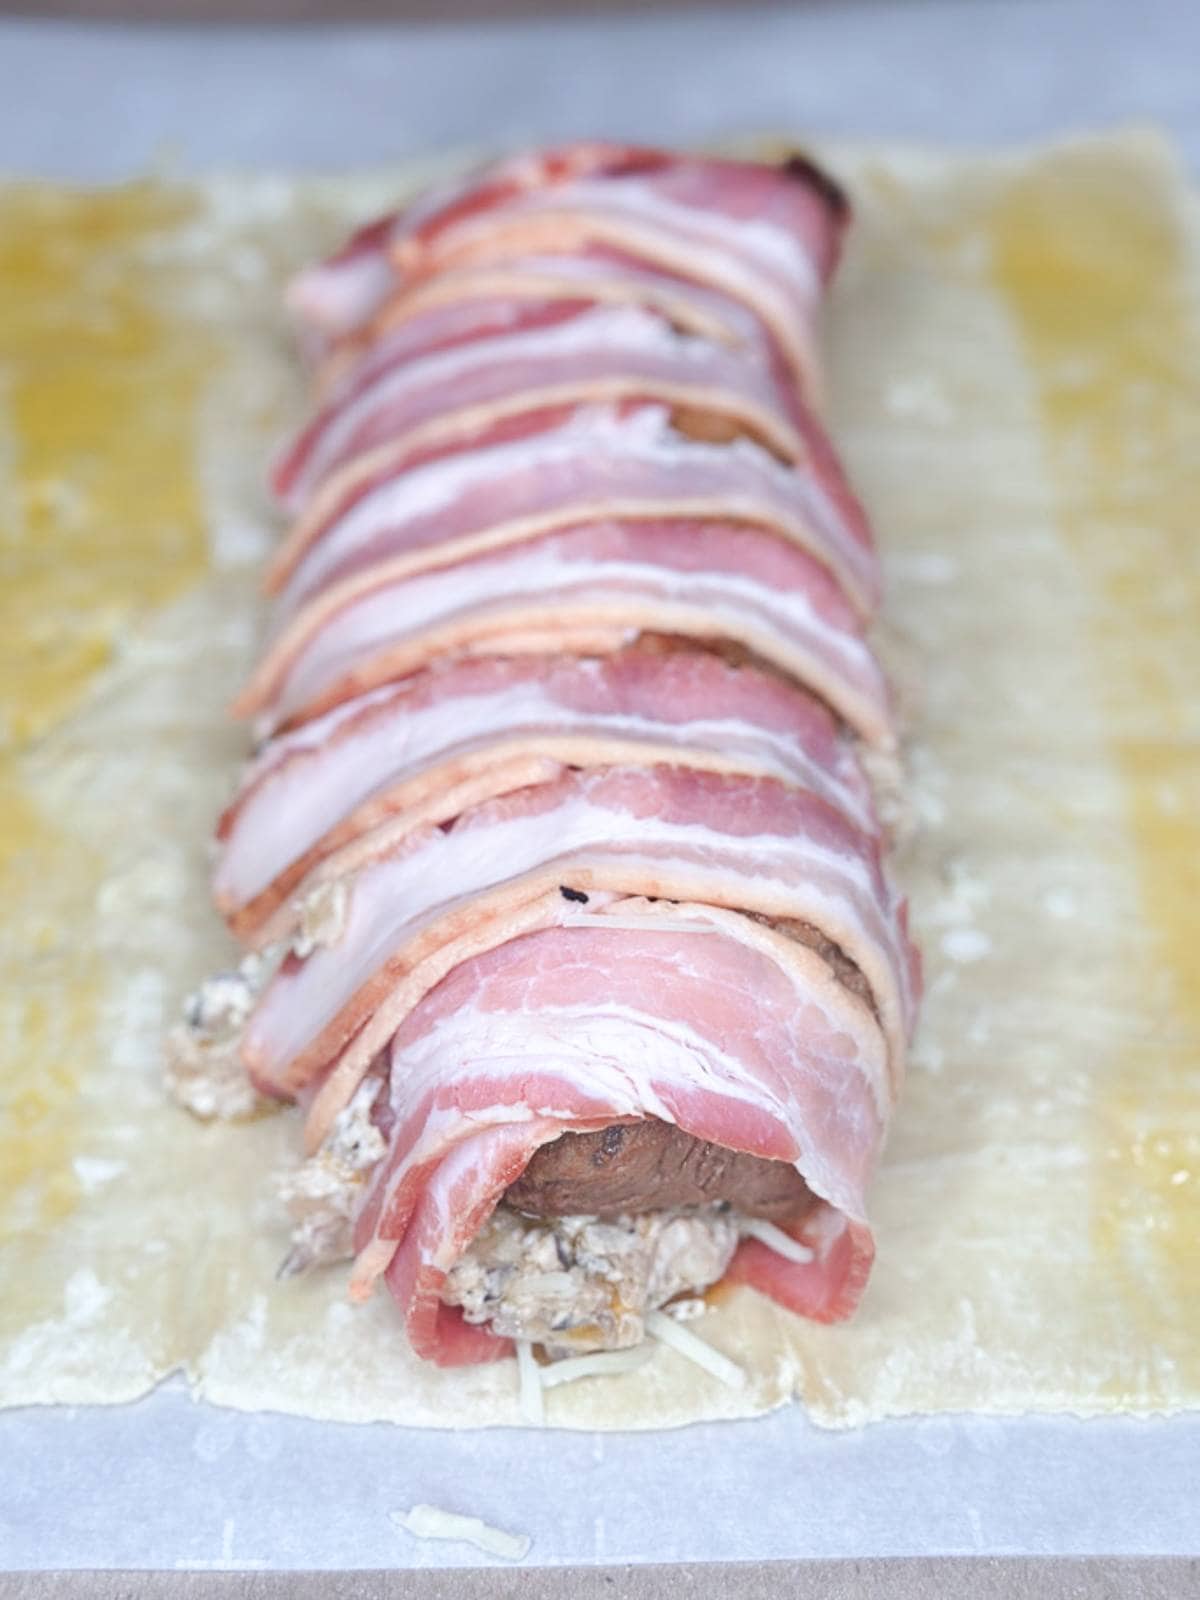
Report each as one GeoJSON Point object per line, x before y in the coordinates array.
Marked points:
{"type": "Point", "coordinates": [711, 427]}
{"type": "Point", "coordinates": [844, 970]}
{"type": "Point", "coordinates": [650, 1166]}
{"type": "Point", "coordinates": [730, 651]}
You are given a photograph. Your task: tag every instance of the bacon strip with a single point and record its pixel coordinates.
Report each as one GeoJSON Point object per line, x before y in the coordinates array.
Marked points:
{"type": "Point", "coordinates": [432, 746]}
{"type": "Point", "coordinates": [346, 290]}
{"type": "Point", "coordinates": [589, 591]}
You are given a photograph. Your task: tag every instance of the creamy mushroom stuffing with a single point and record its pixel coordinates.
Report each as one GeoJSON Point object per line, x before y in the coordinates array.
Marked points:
{"type": "Point", "coordinates": [575, 1284]}
{"type": "Point", "coordinates": [321, 1194]}
{"type": "Point", "coordinates": [204, 1070]}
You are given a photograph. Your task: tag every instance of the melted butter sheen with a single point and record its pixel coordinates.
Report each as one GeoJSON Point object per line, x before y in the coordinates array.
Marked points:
{"type": "Point", "coordinates": [100, 521]}
{"type": "Point", "coordinates": [1095, 274]}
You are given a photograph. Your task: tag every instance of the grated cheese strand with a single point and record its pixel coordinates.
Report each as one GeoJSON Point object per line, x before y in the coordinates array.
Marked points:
{"type": "Point", "coordinates": [688, 1344]}
{"type": "Point", "coordinates": [776, 1239]}
{"type": "Point", "coordinates": [529, 1375]}
{"type": "Point", "coordinates": [600, 1364]}
{"type": "Point", "coordinates": [431, 1522]}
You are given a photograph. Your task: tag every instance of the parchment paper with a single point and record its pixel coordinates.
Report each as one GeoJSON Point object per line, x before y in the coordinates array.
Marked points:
{"type": "Point", "coordinates": [1012, 354]}
{"type": "Point", "coordinates": [171, 1484]}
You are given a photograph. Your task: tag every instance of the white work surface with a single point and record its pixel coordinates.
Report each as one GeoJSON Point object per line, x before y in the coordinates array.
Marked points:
{"type": "Point", "coordinates": [168, 1483]}
{"type": "Point", "coordinates": [101, 103]}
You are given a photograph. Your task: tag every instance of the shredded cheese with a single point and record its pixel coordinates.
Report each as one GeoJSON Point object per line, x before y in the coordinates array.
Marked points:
{"type": "Point", "coordinates": [530, 1378]}
{"type": "Point", "coordinates": [693, 1348]}
{"type": "Point", "coordinates": [600, 1364]}
{"type": "Point", "coordinates": [776, 1239]}
{"type": "Point", "coordinates": [431, 1522]}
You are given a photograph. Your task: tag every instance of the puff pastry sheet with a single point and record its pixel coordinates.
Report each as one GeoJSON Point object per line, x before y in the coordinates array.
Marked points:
{"type": "Point", "coordinates": [1013, 349]}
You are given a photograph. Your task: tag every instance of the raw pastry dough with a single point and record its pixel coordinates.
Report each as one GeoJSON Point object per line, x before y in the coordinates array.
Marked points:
{"type": "Point", "coordinates": [1012, 348]}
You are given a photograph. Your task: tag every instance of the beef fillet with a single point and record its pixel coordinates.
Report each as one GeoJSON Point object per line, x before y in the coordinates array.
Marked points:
{"type": "Point", "coordinates": [648, 1166]}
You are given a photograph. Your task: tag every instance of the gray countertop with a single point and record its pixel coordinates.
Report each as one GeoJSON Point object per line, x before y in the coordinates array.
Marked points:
{"type": "Point", "coordinates": [971, 72]}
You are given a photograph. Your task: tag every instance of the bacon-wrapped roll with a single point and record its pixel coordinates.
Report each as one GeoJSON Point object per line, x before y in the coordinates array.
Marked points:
{"type": "Point", "coordinates": [582, 953]}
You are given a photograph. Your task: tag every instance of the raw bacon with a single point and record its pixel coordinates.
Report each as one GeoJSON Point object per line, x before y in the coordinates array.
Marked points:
{"type": "Point", "coordinates": [749, 844]}
{"type": "Point", "coordinates": [434, 745]}
{"type": "Point", "coordinates": [598, 464]}
{"type": "Point", "coordinates": [462, 303]}
{"type": "Point", "coordinates": [589, 591]}
{"type": "Point", "coordinates": [356, 480]}
{"type": "Point", "coordinates": [605, 355]}
{"type": "Point", "coordinates": [560, 822]}
{"type": "Point", "coordinates": [767, 236]}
